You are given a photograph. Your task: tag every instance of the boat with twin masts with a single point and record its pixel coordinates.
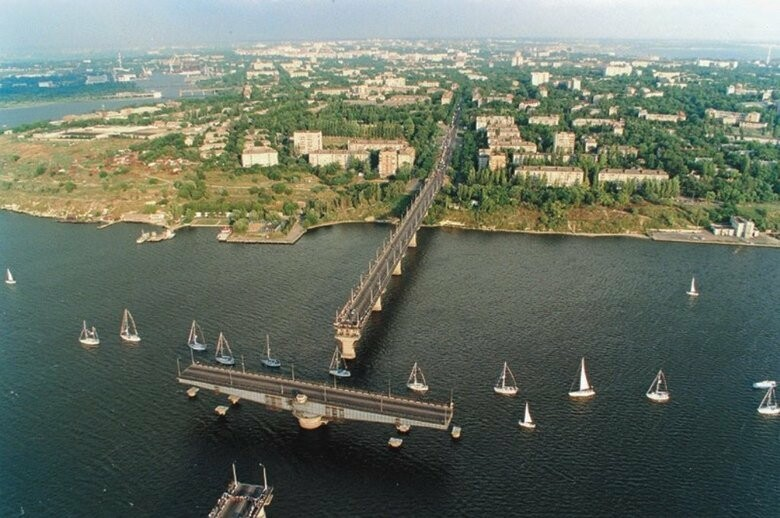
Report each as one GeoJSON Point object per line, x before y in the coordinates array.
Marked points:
{"type": "Point", "coordinates": [506, 384]}
{"type": "Point", "coordinates": [223, 353]}
{"type": "Point", "coordinates": [338, 367]}
{"type": "Point", "coordinates": [88, 336]}
{"type": "Point", "coordinates": [196, 341]}
{"type": "Point", "coordinates": [268, 361]}
{"type": "Point", "coordinates": [416, 381]}
{"type": "Point", "coordinates": [527, 422]}
{"type": "Point", "coordinates": [585, 389]}
{"type": "Point", "coordinates": [128, 331]}
{"type": "Point", "coordinates": [658, 390]}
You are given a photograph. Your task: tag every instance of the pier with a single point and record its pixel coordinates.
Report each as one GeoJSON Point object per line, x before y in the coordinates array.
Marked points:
{"type": "Point", "coordinates": [315, 404]}
{"type": "Point", "coordinates": [367, 295]}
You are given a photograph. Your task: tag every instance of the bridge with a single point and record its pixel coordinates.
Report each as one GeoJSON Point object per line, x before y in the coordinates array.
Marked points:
{"type": "Point", "coordinates": [367, 295]}
{"type": "Point", "coordinates": [315, 404]}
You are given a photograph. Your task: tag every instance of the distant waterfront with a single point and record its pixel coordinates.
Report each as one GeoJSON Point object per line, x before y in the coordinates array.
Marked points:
{"type": "Point", "coordinates": [29, 113]}
{"type": "Point", "coordinates": [114, 423]}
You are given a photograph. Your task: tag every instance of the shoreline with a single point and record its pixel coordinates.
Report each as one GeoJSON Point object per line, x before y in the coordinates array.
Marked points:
{"type": "Point", "coordinates": [682, 236]}
{"type": "Point", "coordinates": [35, 104]}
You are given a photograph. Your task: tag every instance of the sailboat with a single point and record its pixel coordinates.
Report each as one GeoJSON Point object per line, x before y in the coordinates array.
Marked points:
{"type": "Point", "coordinates": [585, 390]}
{"type": "Point", "coordinates": [658, 390]}
{"type": "Point", "coordinates": [268, 361]}
{"type": "Point", "coordinates": [416, 380]}
{"type": "Point", "coordinates": [769, 404]}
{"type": "Point", "coordinates": [9, 279]}
{"type": "Point", "coordinates": [196, 335]}
{"type": "Point", "coordinates": [88, 336]}
{"type": "Point", "coordinates": [338, 367]}
{"type": "Point", "coordinates": [527, 422]}
{"type": "Point", "coordinates": [503, 386]}
{"type": "Point", "coordinates": [127, 331]}
{"type": "Point", "coordinates": [223, 354]}
{"type": "Point", "coordinates": [692, 292]}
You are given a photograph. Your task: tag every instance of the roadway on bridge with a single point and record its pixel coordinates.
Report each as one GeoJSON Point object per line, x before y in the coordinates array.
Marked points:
{"type": "Point", "coordinates": [356, 311]}
{"type": "Point", "coordinates": [434, 413]}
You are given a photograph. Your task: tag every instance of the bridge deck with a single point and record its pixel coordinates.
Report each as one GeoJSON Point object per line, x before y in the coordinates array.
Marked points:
{"type": "Point", "coordinates": [356, 402]}
{"type": "Point", "coordinates": [354, 314]}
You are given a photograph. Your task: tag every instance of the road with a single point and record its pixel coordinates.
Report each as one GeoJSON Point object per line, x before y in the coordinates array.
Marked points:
{"type": "Point", "coordinates": [434, 413]}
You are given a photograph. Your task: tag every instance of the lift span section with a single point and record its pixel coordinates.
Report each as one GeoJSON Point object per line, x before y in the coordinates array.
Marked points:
{"type": "Point", "coordinates": [315, 404]}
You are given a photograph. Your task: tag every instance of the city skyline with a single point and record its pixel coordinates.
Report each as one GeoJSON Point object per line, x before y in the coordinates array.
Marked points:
{"type": "Point", "coordinates": [91, 25]}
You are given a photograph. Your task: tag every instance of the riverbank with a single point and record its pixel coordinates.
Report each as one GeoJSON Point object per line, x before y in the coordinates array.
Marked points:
{"type": "Point", "coordinates": [687, 235]}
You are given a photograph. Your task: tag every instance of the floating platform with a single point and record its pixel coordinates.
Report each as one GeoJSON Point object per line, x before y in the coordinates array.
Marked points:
{"type": "Point", "coordinates": [221, 410]}
{"type": "Point", "coordinates": [192, 391]}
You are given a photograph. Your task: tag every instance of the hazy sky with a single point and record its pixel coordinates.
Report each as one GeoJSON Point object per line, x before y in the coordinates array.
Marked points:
{"type": "Point", "coordinates": [113, 24]}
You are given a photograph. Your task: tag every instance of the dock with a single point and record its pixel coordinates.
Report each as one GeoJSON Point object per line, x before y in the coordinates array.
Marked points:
{"type": "Point", "coordinates": [315, 404]}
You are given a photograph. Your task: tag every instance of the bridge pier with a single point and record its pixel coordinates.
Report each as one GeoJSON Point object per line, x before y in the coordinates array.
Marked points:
{"type": "Point", "coordinates": [378, 304]}
{"type": "Point", "coordinates": [413, 241]}
{"type": "Point", "coordinates": [397, 268]}
{"type": "Point", "coordinates": [309, 422]}
{"type": "Point", "coordinates": [347, 345]}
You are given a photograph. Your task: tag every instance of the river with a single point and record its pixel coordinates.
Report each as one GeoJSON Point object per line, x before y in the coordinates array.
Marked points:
{"type": "Point", "coordinates": [109, 432]}
{"type": "Point", "coordinates": [168, 85]}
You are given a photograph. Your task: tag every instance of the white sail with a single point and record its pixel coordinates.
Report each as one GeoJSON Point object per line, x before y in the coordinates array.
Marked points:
{"type": "Point", "coordinates": [128, 331]}
{"type": "Point", "coordinates": [585, 388]}
{"type": "Point", "coordinates": [769, 404]}
{"type": "Point", "coordinates": [584, 385]}
{"type": "Point", "coordinates": [527, 422]}
{"type": "Point", "coordinates": [223, 354]}
{"type": "Point", "coordinates": [416, 379]}
{"type": "Point", "coordinates": [88, 336]}
{"type": "Point", "coordinates": [9, 278]}
{"type": "Point", "coordinates": [196, 341]}
{"type": "Point", "coordinates": [658, 391]}
{"type": "Point", "coordinates": [692, 292]}
{"type": "Point", "coordinates": [506, 384]}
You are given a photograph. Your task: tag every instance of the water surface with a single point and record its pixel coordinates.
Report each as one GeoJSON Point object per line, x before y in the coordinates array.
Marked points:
{"type": "Point", "coordinates": [109, 432]}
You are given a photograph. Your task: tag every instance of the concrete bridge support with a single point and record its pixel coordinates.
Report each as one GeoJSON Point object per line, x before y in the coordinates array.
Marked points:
{"type": "Point", "coordinates": [397, 268]}
{"type": "Point", "coordinates": [347, 345]}
{"type": "Point", "coordinates": [413, 241]}
{"type": "Point", "coordinates": [377, 304]}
